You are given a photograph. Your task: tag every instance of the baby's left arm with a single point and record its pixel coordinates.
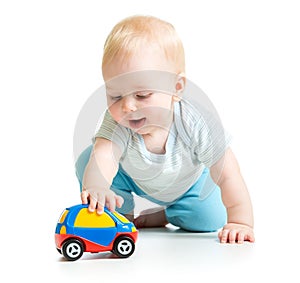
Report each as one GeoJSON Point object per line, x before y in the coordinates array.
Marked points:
{"type": "Point", "coordinates": [226, 174]}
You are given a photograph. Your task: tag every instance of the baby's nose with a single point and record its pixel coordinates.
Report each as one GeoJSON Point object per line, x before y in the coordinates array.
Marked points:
{"type": "Point", "coordinates": [129, 103]}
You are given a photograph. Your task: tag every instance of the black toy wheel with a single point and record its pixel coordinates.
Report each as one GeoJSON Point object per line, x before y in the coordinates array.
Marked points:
{"type": "Point", "coordinates": [72, 249]}
{"type": "Point", "coordinates": [123, 247]}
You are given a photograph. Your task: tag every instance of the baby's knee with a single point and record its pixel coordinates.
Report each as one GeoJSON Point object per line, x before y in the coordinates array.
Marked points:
{"type": "Point", "coordinates": [196, 218]}
{"type": "Point", "coordinates": [197, 223]}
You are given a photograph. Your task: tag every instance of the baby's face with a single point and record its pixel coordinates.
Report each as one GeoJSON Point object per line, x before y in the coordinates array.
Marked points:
{"type": "Point", "coordinates": [140, 93]}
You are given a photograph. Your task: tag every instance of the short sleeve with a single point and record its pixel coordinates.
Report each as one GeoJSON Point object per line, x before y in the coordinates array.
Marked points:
{"type": "Point", "coordinates": [112, 131]}
{"type": "Point", "coordinates": [210, 140]}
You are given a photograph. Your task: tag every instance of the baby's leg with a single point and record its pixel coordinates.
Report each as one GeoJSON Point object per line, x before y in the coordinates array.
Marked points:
{"type": "Point", "coordinates": [189, 213]}
{"type": "Point", "coordinates": [198, 215]}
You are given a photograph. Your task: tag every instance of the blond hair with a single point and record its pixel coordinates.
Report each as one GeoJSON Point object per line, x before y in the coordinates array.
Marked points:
{"type": "Point", "coordinates": [132, 33]}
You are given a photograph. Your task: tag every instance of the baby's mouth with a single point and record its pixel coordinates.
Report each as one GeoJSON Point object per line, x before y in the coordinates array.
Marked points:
{"type": "Point", "coordinates": [137, 123]}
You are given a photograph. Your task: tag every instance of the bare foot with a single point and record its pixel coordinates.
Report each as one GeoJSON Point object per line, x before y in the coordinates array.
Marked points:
{"type": "Point", "coordinates": [130, 216]}
{"type": "Point", "coordinates": [153, 217]}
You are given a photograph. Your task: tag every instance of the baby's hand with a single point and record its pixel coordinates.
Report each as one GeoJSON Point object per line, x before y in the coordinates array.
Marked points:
{"type": "Point", "coordinates": [98, 199]}
{"type": "Point", "coordinates": [236, 233]}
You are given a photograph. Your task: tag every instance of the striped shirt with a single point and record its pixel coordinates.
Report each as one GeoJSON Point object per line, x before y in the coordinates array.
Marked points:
{"type": "Point", "coordinates": [196, 140]}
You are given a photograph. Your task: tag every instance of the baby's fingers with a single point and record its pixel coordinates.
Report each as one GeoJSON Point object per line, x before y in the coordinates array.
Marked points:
{"type": "Point", "coordinates": [235, 236]}
{"type": "Point", "coordinates": [84, 197]}
{"type": "Point", "coordinates": [245, 235]}
{"type": "Point", "coordinates": [250, 237]}
{"type": "Point", "coordinates": [241, 237]}
{"type": "Point", "coordinates": [111, 202]}
{"type": "Point", "coordinates": [119, 201]}
{"type": "Point", "coordinates": [100, 203]}
{"type": "Point", "coordinates": [93, 203]}
{"type": "Point", "coordinates": [223, 235]}
{"type": "Point", "coordinates": [232, 236]}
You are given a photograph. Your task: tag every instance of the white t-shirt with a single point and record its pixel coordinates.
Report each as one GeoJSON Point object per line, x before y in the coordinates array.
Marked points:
{"type": "Point", "coordinates": [196, 140]}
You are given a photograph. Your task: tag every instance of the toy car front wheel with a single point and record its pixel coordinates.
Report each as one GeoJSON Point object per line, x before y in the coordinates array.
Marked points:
{"type": "Point", "coordinates": [72, 249]}
{"type": "Point", "coordinates": [123, 247]}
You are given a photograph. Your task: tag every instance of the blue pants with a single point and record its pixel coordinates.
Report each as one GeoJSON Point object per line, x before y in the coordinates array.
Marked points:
{"type": "Point", "coordinates": [189, 212]}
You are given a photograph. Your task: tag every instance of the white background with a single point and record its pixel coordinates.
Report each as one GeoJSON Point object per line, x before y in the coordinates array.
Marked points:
{"type": "Point", "coordinates": [243, 54]}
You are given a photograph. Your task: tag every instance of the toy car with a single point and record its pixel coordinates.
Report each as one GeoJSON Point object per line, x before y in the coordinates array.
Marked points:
{"type": "Point", "coordinates": [79, 231]}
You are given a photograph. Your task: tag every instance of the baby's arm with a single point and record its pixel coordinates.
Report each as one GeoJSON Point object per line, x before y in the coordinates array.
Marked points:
{"type": "Point", "coordinates": [98, 176]}
{"type": "Point", "coordinates": [235, 196]}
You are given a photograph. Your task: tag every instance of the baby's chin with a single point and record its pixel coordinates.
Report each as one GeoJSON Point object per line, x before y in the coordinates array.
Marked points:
{"type": "Point", "coordinates": [142, 130]}
{"type": "Point", "coordinates": [151, 129]}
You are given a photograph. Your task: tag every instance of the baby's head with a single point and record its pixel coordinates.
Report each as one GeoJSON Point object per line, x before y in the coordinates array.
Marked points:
{"type": "Point", "coordinates": [142, 43]}
{"type": "Point", "coordinates": [143, 68]}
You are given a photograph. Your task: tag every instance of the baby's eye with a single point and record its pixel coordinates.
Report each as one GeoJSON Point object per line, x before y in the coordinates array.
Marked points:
{"type": "Point", "coordinates": [143, 94]}
{"type": "Point", "coordinates": [115, 98]}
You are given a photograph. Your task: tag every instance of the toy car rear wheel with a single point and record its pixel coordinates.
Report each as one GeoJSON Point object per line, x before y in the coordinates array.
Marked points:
{"type": "Point", "coordinates": [123, 247]}
{"type": "Point", "coordinates": [72, 249]}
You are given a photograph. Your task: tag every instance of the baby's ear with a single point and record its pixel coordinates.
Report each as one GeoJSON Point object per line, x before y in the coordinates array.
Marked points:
{"type": "Point", "coordinates": [179, 87]}
{"type": "Point", "coordinates": [180, 83]}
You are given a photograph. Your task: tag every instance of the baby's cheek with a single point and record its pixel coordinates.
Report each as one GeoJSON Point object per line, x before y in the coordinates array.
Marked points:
{"type": "Point", "coordinates": [115, 112]}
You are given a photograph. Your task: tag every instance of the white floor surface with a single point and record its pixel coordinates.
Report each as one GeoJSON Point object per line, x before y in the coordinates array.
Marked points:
{"type": "Point", "coordinates": [161, 254]}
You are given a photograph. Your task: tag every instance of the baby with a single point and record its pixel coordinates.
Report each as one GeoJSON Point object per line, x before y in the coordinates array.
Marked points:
{"type": "Point", "coordinates": [156, 143]}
